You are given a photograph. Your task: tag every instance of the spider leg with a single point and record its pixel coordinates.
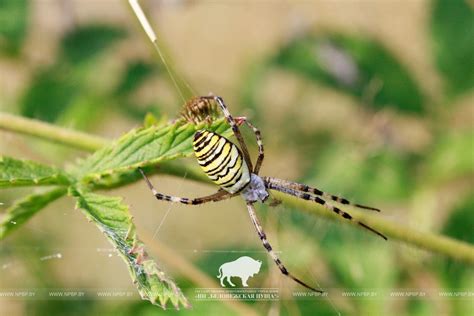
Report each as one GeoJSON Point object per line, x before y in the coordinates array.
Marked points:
{"type": "Point", "coordinates": [304, 188]}
{"type": "Point", "coordinates": [258, 136]}
{"type": "Point", "coordinates": [234, 126]}
{"type": "Point", "coordinates": [317, 199]}
{"type": "Point", "coordinates": [218, 196]}
{"type": "Point", "coordinates": [268, 247]}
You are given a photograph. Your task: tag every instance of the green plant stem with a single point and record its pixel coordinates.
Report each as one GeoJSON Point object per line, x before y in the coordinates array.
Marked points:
{"type": "Point", "coordinates": [50, 132]}
{"type": "Point", "coordinates": [425, 240]}
{"type": "Point", "coordinates": [432, 242]}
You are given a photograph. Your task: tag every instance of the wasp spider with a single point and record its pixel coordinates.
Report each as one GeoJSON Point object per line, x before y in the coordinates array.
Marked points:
{"type": "Point", "coordinates": [231, 169]}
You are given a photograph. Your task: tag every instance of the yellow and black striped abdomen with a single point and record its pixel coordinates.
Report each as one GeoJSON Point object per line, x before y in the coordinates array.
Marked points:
{"type": "Point", "coordinates": [221, 160]}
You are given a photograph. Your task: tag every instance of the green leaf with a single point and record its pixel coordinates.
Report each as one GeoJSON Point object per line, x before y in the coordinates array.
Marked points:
{"type": "Point", "coordinates": [145, 147]}
{"type": "Point", "coordinates": [13, 25]}
{"type": "Point", "coordinates": [83, 113]}
{"type": "Point", "coordinates": [458, 275]}
{"type": "Point", "coordinates": [250, 87]}
{"type": "Point", "coordinates": [86, 42]}
{"type": "Point", "coordinates": [452, 156]}
{"type": "Point", "coordinates": [113, 218]}
{"type": "Point", "coordinates": [137, 111]}
{"type": "Point", "coordinates": [461, 221]}
{"type": "Point", "coordinates": [60, 86]}
{"type": "Point", "coordinates": [23, 210]}
{"type": "Point", "coordinates": [382, 176]}
{"type": "Point", "coordinates": [452, 29]}
{"type": "Point", "coordinates": [15, 172]}
{"type": "Point", "coordinates": [50, 93]}
{"type": "Point", "coordinates": [359, 66]}
{"type": "Point", "coordinates": [135, 74]}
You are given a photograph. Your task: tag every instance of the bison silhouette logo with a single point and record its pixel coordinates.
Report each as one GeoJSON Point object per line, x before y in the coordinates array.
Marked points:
{"type": "Point", "coordinates": [244, 268]}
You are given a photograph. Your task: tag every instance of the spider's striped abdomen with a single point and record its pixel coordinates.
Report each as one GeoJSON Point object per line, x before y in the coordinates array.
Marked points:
{"type": "Point", "coordinates": [221, 160]}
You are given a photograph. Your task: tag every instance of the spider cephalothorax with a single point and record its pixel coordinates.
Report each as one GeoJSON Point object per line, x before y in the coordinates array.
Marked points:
{"type": "Point", "coordinates": [198, 110]}
{"type": "Point", "coordinates": [230, 167]}
{"type": "Point", "coordinates": [255, 191]}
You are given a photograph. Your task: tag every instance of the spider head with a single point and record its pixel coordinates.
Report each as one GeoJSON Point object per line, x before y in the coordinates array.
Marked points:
{"type": "Point", "coordinates": [255, 191]}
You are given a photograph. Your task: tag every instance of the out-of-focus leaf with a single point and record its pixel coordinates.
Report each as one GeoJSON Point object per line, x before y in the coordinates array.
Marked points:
{"type": "Point", "coordinates": [452, 28]}
{"type": "Point", "coordinates": [13, 25]}
{"type": "Point", "coordinates": [84, 112]}
{"type": "Point", "coordinates": [113, 218]}
{"type": "Point", "coordinates": [359, 66]}
{"type": "Point", "coordinates": [144, 309]}
{"type": "Point", "coordinates": [180, 84]}
{"type": "Point", "coordinates": [458, 276]}
{"type": "Point", "coordinates": [419, 306]}
{"type": "Point", "coordinates": [452, 156]}
{"type": "Point", "coordinates": [62, 85]}
{"type": "Point", "coordinates": [23, 210]}
{"type": "Point", "coordinates": [340, 246]}
{"type": "Point", "coordinates": [315, 307]}
{"type": "Point", "coordinates": [384, 176]}
{"type": "Point", "coordinates": [137, 111]}
{"type": "Point", "coordinates": [250, 86]}
{"type": "Point", "coordinates": [60, 307]}
{"type": "Point", "coordinates": [461, 222]}
{"type": "Point", "coordinates": [354, 265]}
{"type": "Point", "coordinates": [49, 94]}
{"type": "Point", "coordinates": [145, 147]}
{"type": "Point", "coordinates": [86, 42]}
{"type": "Point", "coordinates": [373, 259]}
{"type": "Point", "coordinates": [15, 172]}
{"type": "Point", "coordinates": [135, 74]}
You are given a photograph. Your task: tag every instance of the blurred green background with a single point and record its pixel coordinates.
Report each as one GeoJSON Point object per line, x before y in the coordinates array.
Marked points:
{"type": "Point", "coordinates": [370, 100]}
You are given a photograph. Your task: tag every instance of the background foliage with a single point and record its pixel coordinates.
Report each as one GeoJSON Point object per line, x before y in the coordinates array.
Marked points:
{"type": "Point", "coordinates": [347, 107]}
